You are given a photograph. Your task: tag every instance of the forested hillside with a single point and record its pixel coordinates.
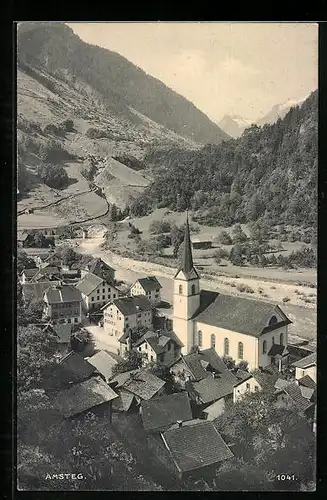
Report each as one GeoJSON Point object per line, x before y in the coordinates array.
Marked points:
{"type": "Point", "coordinates": [54, 48]}
{"type": "Point", "coordinates": [269, 172]}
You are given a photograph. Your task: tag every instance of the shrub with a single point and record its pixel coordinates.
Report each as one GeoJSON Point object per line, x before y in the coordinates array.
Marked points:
{"type": "Point", "coordinates": [95, 133]}
{"type": "Point", "coordinates": [244, 288]}
{"type": "Point", "coordinates": [221, 253]}
{"type": "Point", "coordinates": [224, 238]}
{"type": "Point", "coordinates": [286, 299]}
{"type": "Point", "coordinates": [233, 284]}
{"type": "Point", "coordinates": [68, 125]}
{"type": "Point", "coordinates": [53, 176]}
{"type": "Point", "coordinates": [159, 227]}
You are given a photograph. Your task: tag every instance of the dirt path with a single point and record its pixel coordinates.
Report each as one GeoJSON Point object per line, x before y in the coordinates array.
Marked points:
{"type": "Point", "coordinates": [303, 315]}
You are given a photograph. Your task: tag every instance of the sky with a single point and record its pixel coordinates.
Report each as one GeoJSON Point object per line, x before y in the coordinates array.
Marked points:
{"type": "Point", "coordinates": [223, 68]}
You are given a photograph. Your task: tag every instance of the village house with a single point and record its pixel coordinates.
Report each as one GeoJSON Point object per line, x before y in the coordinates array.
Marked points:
{"type": "Point", "coordinates": [104, 363]}
{"type": "Point", "coordinates": [306, 366]}
{"type": "Point", "coordinates": [162, 412]}
{"type": "Point", "coordinates": [96, 292]}
{"type": "Point", "coordinates": [242, 328]}
{"type": "Point", "coordinates": [63, 304]}
{"type": "Point", "coordinates": [62, 334]}
{"type": "Point", "coordinates": [27, 275]}
{"type": "Point", "coordinates": [158, 347]}
{"type": "Point", "coordinates": [150, 287]}
{"type": "Point", "coordinates": [201, 244]}
{"type": "Point", "coordinates": [23, 239]}
{"type": "Point", "coordinates": [93, 394]}
{"type": "Point", "coordinates": [47, 273]}
{"type": "Point", "coordinates": [300, 349]}
{"type": "Point", "coordinates": [100, 269]}
{"type": "Point", "coordinates": [73, 368]}
{"type": "Point", "coordinates": [124, 314]}
{"type": "Point", "coordinates": [246, 383]}
{"type": "Point", "coordinates": [190, 448]}
{"type": "Point", "coordinates": [32, 290]}
{"type": "Point", "coordinates": [301, 397]}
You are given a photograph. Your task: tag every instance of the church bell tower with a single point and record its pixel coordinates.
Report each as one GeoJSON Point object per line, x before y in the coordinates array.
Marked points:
{"type": "Point", "coordinates": [186, 299]}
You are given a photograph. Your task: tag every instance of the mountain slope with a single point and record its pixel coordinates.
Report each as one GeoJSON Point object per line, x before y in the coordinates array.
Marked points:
{"type": "Point", "coordinates": [269, 171]}
{"type": "Point", "coordinates": [54, 48]}
{"type": "Point", "coordinates": [279, 111]}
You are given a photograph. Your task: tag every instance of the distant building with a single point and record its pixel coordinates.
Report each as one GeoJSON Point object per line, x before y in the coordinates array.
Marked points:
{"type": "Point", "coordinates": [306, 366]}
{"type": "Point", "coordinates": [160, 413]}
{"type": "Point", "coordinates": [150, 287]}
{"type": "Point", "coordinates": [63, 304]}
{"type": "Point", "coordinates": [124, 314]}
{"type": "Point", "coordinates": [141, 383]}
{"type": "Point", "coordinates": [246, 383]}
{"type": "Point", "coordinates": [104, 363]}
{"type": "Point", "coordinates": [96, 292]}
{"type": "Point", "coordinates": [36, 290]}
{"type": "Point", "coordinates": [201, 245]}
{"type": "Point", "coordinates": [242, 328]}
{"type": "Point", "coordinates": [27, 275]}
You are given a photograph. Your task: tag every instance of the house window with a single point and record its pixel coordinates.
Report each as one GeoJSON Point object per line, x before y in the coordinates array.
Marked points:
{"type": "Point", "coordinates": [240, 350]}
{"type": "Point", "coordinates": [264, 347]}
{"type": "Point", "coordinates": [168, 346]}
{"type": "Point", "coordinates": [98, 291]}
{"type": "Point", "coordinates": [273, 320]}
{"type": "Point", "coordinates": [273, 341]}
{"type": "Point", "coordinates": [247, 386]}
{"type": "Point", "coordinates": [114, 295]}
{"type": "Point", "coordinates": [76, 320]}
{"type": "Point", "coordinates": [146, 346]}
{"type": "Point", "coordinates": [103, 297]}
{"type": "Point", "coordinates": [68, 320]}
{"type": "Point", "coordinates": [213, 340]}
{"type": "Point", "coordinates": [103, 290]}
{"type": "Point", "coordinates": [193, 290]}
{"type": "Point", "coordinates": [151, 358]}
{"type": "Point", "coordinates": [226, 347]}
{"type": "Point", "coordinates": [199, 338]}
{"type": "Point", "coordinates": [256, 388]}
{"type": "Point", "coordinates": [180, 289]}
{"type": "Point", "coordinates": [98, 297]}
{"type": "Point", "coordinates": [281, 339]}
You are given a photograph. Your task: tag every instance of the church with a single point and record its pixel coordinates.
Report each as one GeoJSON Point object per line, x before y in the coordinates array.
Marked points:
{"type": "Point", "coordinates": [241, 328]}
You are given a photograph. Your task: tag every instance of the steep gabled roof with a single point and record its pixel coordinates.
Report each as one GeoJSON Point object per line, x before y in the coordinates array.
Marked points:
{"type": "Point", "coordinates": [196, 446]}
{"type": "Point", "coordinates": [89, 283]}
{"type": "Point", "coordinates": [187, 266]}
{"type": "Point", "coordinates": [307, 361]}
{"type": "Point", "coordinates": [211, 389]}
{"type": "Point", "coordinates": [307, 382]}
{"type": "Point", "coordinates": [149, 283]}
{"type": "Point", "coordinates": [131, 305]}
{"type": "Point", "coordinates": [74, 368]}
{"type": "Point", "coordinates": [37, 290]}
{"type": "Point", "coordinates": [103, 362]}
{"type": "Point", "coordinates": [124, 401]}
{"type": "Point", "coordinates": [84, 396]}
{"type": "Point", "coordinates": [295, 394]}
{"type": "Point", "coordinates": [278, 350]}
{"type": "Point", "coordinates": [63, 332]}
{"type": "Point", "coordinates": [100, 268]}
{"type": "Point", "coordinates": [141, 383]}
{"type": "Point", "coordinates": [240, 314]}
{"type": "Point", "coordinates": [162, 412]}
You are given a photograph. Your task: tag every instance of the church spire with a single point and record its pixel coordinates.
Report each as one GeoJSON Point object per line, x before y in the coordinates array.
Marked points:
{"type": "Point", "coordinates": [187, 259]}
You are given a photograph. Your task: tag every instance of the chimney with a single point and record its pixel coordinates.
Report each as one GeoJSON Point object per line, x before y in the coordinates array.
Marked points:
{"type": "Point", "coordinates": [179, 423]}
{"type": "Point", "coordinates": [213, 374]}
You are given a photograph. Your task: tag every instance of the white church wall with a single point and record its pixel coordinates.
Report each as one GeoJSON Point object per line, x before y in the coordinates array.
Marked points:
{"type": "Point", "coordinates": [270, 338]}
{"type": "Point", "coordinates": [250, 344]}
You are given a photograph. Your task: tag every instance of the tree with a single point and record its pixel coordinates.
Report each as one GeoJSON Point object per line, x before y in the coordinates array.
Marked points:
{"type": "Point", "coordinates": [66, 232]}
{"type": "Point", "coordinates": [177, 238]}
{"type": "Point", "coordinates": [238, 234]}
{"type": "Point", "coordinates": [254, 208]}
{"type": "Point", "coordinates": [237, 475]}
{"type": "Point", "coordinates": [163, 372]}
{"type": "Point", "coordinates": [273, 260]}
{"type": "Point", "coordinates": [68, 125]}
{"type": "Point", "coordinates": [39, 239]}
{"type": "Point", "coordinates": [236, 255]}
{"type": "Point", "coordinates": [24, 261]}
{"type": "Point", "coordinates": [54, 176]}
{"type": "Point", "coordinates": [229, 362]}
{"type": "Point", "coordinates": [263, 260]}
{"type": "Point", "coordinates": [132, 361]}
{"type": "Point", "coordinates": [69, 256]}
{"type": "Point", "coordinates": [224, 238]}
{"type": "Point", "coordinates": [36, 350]}
{"type": "Point", "coordinates": [159, 226]}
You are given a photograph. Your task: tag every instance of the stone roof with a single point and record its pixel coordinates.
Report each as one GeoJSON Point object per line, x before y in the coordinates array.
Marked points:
{"type": "Point", "coordinates": [123, 402]}
{"type": "Point", "coordinates": [307, 361]}
{"type": "Point", "coordinates": [295, 394]}
{"type": "Point", "coordinates": [211, 388]}
{"type": "Point", "coordinates": [30, 273]}
{"type": "Point", "coordinates": [141, 383]}
{"type": "Point", "coordinates": [158, 341]}
{"type": "Point", "coordinates": [63, 293]}
{"type": "Point", "coordinates": [103, 362]}
{"type": "Point", "coordinates": [131, 305]}
{"type": "Point", "coordinates": [84, 396]}
{"type": "Point", "coordinates": [213, 359]}
{"type": "Point", "coordinates": [242, 376]}
{"type": "Point", "coordinates": [196, 446]}
{"type": "Point", "coordinates": [162, 412]}
{"type": "Point", "coordinates": [74, 368]}
{"type": "Point", "coordinates": [89, 283]}
{"type": "Point", "coordinates": [149, 284]}
{"type": "Point", "coordinates": [240, 314]}
{"type": "Point", "coordinates": [281, 383]}
{"type": "Point", "coordinates": [100, 268]}
{"type": "Point", "coordinates": [307, 382]}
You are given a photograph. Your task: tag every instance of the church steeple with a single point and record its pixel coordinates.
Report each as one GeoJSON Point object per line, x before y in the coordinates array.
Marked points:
{"type": "Point", "coordinates": [187, 258]}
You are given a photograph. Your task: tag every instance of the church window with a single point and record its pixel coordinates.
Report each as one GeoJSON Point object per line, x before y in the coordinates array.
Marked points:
{"type": "Point", "coordinates": [226, 347]}
{"type": "Point", "coordinates": [273, 341]}
{"type": "Point", "coordinates": [240, 350]}
{"type": "Point", "coordinates": [199, 338]}
{"type": "Point", "coordinates": [180, 289]}
{"type": "Point", "coordinates": [281, 339]}
{"type": "Point", "coordinates": [264, 347]}
{"type": "Point", "coordinates": [193, 290]}
{"type": "Point", "coordinates": [273, 320]}
{"type": "Point", "coordinates": [213, 340]}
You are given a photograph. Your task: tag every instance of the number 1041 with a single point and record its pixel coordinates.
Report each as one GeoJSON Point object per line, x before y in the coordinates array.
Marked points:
{"type": "Point", "coordinates": [285, 477]}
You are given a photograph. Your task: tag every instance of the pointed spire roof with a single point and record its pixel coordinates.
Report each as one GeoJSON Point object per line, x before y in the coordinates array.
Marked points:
{"type": "Point", "coordinates": [187, 258]}
{"type": "Point", "coordinates": [187, 265]}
